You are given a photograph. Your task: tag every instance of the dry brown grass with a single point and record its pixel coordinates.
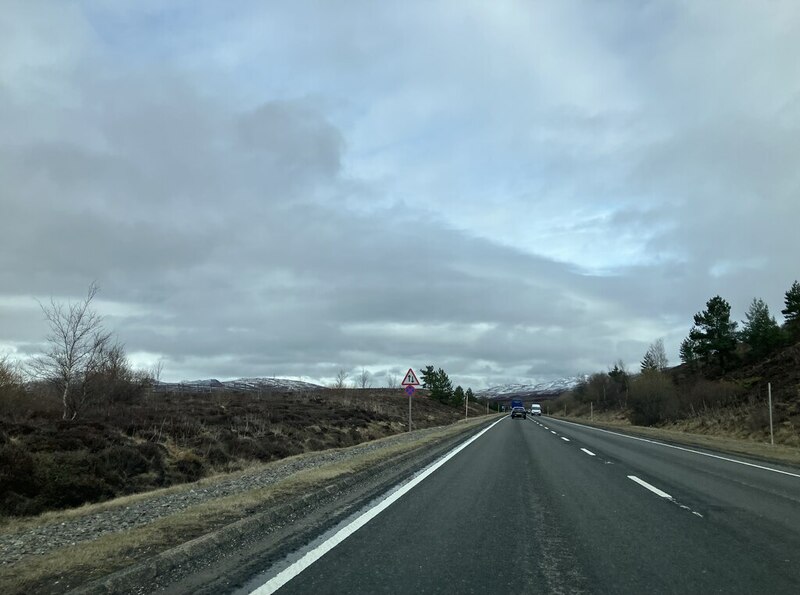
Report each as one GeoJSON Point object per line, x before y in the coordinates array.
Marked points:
{"type": "Point", "coordinates": [93, 559]}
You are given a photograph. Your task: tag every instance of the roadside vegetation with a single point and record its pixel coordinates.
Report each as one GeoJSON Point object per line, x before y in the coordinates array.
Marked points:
{"type": "Point", "coordinates": [78, 424]}
{"type": "Point", "coordinates": [721, 385]}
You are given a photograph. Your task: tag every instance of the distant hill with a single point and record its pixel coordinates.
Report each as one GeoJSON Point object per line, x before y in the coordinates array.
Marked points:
{"type": "Point", "coordinates": [539, 391]}
{"type": "Point", "coordinates": [240, 384]}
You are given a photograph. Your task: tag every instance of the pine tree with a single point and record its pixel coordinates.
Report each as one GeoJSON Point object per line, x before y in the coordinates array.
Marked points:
{"type": "Point", "coordinates": [470, 395]}
{"type": "Point", "coordinates": [792, 311]}
{"type": "Point", "coordinates": [458, 396]}
{"type": "Point", "coordinates": [438, 382]}
{"type": "Point", "coordinates": [620, 381]}
{"type": "Point", "coordinates": [688, 351]}
{"type": "Point", "coordinates": [760, 331]}
{"type": "Point", "coordinates": [648, 363]}
{"type": "Point", "coordinates": [428, 376]}
{"type": "Point", "coordinates": [714, 333]}
{"type": "Point", "coordinates": [443, 388]}
{"type": "Point", "coordinates": [655, 360]}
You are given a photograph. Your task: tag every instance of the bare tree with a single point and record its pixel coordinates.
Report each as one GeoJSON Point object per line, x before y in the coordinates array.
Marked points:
{"type": "Point", "coordinates": [341, 379]}
{"type": "Point", "coordinates": [152, 377]}
{"type": "Point", "coordinates": [77, 347]}
{"type": "Point", "coordinates": [655, 360]}
{"type": "Point", "coordinates": [155, 371]}
{"type": "Point", "coordinates": [10, 377]}
{"type": "Point", "coordinates": [363, 379]}
{"type": "Point", "coordinates": [392, 381]}
{"type": "Point", "coordinates": [659, 355]}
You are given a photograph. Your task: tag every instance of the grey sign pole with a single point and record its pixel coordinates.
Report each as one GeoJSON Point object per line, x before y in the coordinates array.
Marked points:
{"type": "Point", "coordinates": [409, 410]}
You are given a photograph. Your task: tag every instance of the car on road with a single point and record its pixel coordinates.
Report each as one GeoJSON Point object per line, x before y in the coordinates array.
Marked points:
{"type": "Point", "coordinates": [536, 409]}
{"type": "Point", "coordinates": [518, 412]}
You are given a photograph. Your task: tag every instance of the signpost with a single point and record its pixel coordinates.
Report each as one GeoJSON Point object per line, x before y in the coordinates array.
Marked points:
{"type": "Point", "coordinates": [410, 382]}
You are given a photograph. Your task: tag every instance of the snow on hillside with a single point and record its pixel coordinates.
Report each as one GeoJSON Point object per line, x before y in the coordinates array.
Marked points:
{"type": "Point", "coordinates": [553, 387]}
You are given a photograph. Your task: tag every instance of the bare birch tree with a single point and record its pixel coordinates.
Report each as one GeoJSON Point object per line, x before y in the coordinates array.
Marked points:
{"type": "Point", "coordinates": [363, 379]}
{"type": "Point", "coordinates": [341, 379]}
{"type": "Point", "coordinates": [77, 347]}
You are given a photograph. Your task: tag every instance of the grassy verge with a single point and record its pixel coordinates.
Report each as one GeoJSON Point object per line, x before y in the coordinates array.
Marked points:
{"type": "Point", "coordinates": [764, 451]}
{"type": "Point", "coordinates": [68, 567]}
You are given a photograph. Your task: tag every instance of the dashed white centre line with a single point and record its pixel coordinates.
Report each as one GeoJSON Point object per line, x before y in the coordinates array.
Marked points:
{"type": "Point", "coordinates": [565, 439]}
{"type": "Point", "coordinates": [588, 452]}
{"type": "Point", "coordinates": [652, 488]}
{"type": "Point", "coordinates": [552, 432]}
{"type": "Point", "coordinates": [663, 494]}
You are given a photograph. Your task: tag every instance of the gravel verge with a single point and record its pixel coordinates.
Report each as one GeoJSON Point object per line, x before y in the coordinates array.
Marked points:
{"type": "Point", "coordinates": [29, 541]}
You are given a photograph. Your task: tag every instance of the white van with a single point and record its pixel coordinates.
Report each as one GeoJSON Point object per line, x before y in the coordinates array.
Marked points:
{"type": "Point", "coordinates": [536, 409]}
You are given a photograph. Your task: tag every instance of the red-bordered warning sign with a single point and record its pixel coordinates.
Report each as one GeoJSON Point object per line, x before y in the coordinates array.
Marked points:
{"type": "Point", "coordinates": [410, 379]}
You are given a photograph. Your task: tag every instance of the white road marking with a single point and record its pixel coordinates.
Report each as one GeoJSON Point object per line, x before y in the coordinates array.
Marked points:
{"type": "Point", "coordinates": [546, 428]}
{"type": "Point", "coordinates": [652, 488]}
{"type": "Point", "coordinates": [662, 494]}
{"type": "Point", "coordinates": [307, 560]}
{"type": "Point", "coordinates": [697, 452]}
{"type": "Point", "coordinates": [552, 432]}
{"type": "Point", "coordinates": [565, 439]}
{"type": "Point", "coordinates": [588, 452]}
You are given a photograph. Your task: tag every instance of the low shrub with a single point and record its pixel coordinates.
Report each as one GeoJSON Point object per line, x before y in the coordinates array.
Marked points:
{"type": "Point", "coordinates": [652, 399]}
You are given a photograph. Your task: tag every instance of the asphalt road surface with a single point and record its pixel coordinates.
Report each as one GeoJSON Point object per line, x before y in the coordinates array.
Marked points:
{"type": "Point", "coordinates": [545, 506]}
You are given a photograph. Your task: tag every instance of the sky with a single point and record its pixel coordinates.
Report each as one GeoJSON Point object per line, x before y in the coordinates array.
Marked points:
{"type": "Point", "coordinates": [512, 191]}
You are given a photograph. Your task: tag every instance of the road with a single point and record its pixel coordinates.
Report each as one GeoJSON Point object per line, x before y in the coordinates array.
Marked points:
{"type": "Point", "coordinates": [546, 506]}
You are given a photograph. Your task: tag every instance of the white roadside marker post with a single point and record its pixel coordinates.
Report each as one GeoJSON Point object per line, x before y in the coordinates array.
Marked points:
{"type": "Point", "coordinates": [769, 396]}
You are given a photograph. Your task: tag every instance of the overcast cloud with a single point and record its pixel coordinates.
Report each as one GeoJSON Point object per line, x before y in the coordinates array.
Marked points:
{"type": "Point", "coordinates": [514, 191]}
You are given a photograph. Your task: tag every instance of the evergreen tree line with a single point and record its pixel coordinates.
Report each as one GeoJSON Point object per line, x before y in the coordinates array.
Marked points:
{"type": "Point", "coordinates": [714, 346]}
{"type": "Point", "coordinates": [715, 339]}
{"type": "Point", "coordinates": [441, 388]}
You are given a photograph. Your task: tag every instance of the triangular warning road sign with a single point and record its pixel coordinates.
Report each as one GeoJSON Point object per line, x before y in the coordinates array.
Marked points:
{"type": "Point", "coordinates": [410, 379]}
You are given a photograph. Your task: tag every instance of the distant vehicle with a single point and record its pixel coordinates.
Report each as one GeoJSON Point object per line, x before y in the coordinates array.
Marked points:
{"type": "Point", "coordinates": [536, 409]}
{"type": "Point", "coordinates": [518, 412]}
{"type": "Point", "coordinates": [517, 403]}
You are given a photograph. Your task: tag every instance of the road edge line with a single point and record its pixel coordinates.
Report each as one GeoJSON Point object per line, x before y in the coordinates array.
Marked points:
{"type": "Point", "coordinates": [287, 574]}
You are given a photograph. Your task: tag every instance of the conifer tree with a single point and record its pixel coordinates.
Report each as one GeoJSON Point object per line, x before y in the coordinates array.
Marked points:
{"type": "Point", "coordinates": [792, 311]}
{"type": "Point", "coordinates": [458, 396]}
{"type": "Point", "coordinates": [760, 331]}
{"type": "Point", "coordinates": [714, 333]}
{"type": "Point", "coordinates": [688, 351]}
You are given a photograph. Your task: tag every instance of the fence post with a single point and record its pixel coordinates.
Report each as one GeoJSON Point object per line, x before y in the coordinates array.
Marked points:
{"type": "Point", "coordinates": [769, 393]}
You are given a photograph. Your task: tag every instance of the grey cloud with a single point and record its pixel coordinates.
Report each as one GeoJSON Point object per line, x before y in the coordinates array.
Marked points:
{"type": "Point", "coordinates": [281, 218]}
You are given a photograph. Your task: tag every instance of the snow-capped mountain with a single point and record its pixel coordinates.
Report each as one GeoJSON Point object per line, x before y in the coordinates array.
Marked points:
{"type": "Point", "coordinates": [542, 389]}
{"type": "Point", "coordinates": [240, 384]}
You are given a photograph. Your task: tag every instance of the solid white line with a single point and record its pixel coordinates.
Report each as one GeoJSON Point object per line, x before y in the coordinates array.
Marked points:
{"type": "Point", "coordinates": [588, 452]}
{"type": "Point", "coordinates": [697, 452]}
{"type": "Point", "coordinates": [309, 558]}
{"type": "Point", "coordinates": [652, 488]}
{"type": "Point", "coordinates": [565, 439]}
